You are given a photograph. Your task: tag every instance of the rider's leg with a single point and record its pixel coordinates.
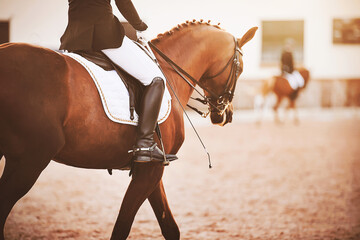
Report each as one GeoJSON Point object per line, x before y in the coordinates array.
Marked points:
{"type": "Point", "coordinates": [145, 146]}
{"type": "Point", "coordinates": [138, 64]}
{"type": "Point", "coordinates": [134, 61]}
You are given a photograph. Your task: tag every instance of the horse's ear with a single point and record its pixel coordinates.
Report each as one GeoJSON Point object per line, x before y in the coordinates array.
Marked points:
{"type": "Point", "coordinates": [247, 36]}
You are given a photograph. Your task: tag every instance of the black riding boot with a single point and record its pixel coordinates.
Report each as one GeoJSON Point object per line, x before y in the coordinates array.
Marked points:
{"type": "Point", "coordinates": [145, 149]}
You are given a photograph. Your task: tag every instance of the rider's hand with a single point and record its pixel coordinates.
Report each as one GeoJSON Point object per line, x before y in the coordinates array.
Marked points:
{"type": "Point", "coordinates": [141, 26]}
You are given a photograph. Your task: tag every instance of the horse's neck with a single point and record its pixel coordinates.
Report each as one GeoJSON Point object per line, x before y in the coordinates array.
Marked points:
{"type": "Point", "coordinates": [305, 74]}
{"type": "Point", "coordinates": [189, 51]}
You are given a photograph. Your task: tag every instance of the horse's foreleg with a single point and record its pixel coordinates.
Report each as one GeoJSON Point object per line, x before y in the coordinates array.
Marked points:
{"type": "Point", "coordinates": [146, 177]}
{"type": "Point", "coordinates": [276, 108]}
{"type": "Point", "coordinates": [259, 104]}
{"type": "Point", "coordinates": [293, 107]}
{"type": "Point", "coordinates": [163, 213]}
{"type": "Point", "coordinates": [18, 177]}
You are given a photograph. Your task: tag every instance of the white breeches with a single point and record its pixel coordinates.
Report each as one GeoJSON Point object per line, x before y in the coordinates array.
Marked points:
{"type": "Point", "coordinates": [295, 79]}
{"type": "Point", "coordinates": [134, 61]}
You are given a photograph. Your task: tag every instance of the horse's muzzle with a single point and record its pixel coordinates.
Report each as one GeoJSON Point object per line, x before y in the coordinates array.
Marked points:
{"type": "Point", "coordinates": [222, 118]}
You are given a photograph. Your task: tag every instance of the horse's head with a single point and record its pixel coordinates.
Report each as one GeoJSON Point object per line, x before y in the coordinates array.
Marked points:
{"type": "Point", "coordinates": [209, 53]}
{"type": "Point", "coordinates": [220, 80]}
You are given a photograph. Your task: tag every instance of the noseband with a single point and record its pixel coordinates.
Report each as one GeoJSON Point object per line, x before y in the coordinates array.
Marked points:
{"type": "Point", "coordinates": [216, 102]}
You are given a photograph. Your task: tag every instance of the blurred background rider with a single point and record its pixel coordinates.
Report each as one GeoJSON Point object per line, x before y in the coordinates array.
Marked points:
{"type": "Point", "coordinates": [287, 65]}
{"type": "Point", "coordinates": [287, 59]}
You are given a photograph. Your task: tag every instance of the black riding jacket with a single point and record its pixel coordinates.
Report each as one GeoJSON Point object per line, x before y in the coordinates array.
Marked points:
{"type": "Point", "coordinates": [287, 62]}
{"type": "Point", "coordinates": [92, 25]}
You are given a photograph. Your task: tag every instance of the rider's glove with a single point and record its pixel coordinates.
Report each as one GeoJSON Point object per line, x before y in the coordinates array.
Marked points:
{"type": "Point", "coordinates": [141, 26]}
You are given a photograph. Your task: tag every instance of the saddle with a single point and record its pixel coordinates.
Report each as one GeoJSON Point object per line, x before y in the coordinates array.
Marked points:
{"type": "Point", "coordinates": [134, 87]}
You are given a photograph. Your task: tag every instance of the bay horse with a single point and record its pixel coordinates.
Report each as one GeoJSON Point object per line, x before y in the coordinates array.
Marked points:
{"type": "Point", "coordinates": [51, 110]}
{"type": "Point", "coordinates": [282, 90]}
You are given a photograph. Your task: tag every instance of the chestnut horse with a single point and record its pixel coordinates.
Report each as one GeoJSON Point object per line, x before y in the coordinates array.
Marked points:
{"type": "Point", "coordinates": [50, 109]}
{"type": "Point", "coordinates": [282, 90]}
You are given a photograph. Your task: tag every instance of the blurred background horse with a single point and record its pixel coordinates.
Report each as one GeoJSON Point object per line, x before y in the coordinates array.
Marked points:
{"type": "Point", "coordinates": [280, 87]}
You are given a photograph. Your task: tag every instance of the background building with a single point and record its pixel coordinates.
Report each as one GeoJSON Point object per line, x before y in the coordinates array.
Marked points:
{"type": "Point", "coordinates": [326, 32]}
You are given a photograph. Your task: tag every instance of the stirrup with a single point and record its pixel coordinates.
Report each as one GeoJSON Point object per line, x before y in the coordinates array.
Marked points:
{"type": "Point", "coordinates": [150, 154]}
{"type": "Point", "coordinates": [138, 149]}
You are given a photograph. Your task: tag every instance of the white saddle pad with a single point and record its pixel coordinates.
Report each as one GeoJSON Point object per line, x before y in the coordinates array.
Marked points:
{"type": "Point", "coordinates": [295, 79]}
{"type": "Point", "coordinates": [114, 95]}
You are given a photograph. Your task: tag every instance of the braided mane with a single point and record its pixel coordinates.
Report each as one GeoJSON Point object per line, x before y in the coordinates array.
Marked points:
{"type": "Point", "coordinates": [184, 25]}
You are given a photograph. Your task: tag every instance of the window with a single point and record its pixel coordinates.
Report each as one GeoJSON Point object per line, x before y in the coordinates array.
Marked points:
{"type": "Point", "coordinates": [275, 34]}
{"type": "Point", "coordinates": [346, 30]}
{"type": "Point", "coordinates": [4, 32]}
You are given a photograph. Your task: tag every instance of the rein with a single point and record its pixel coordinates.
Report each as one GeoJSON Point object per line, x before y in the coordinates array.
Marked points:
{"type": "Point", "coordinates": [222, 101]}
{"type": "Point", "coordinates": [229, 88]}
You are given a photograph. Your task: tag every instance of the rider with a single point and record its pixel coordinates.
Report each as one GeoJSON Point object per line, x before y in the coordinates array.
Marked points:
{"type": "Point", "coordinates": [287, 66]}
{"type": "Point", "coordinates": [287, 60]}
{"type": "Point", "coordinates": [93, 27]}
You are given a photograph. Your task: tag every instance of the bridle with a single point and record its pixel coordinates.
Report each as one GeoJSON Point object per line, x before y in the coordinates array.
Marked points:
{"type": "Point", "coordinates": [223, 100]}
{"type": "Point", "coordinates": [216, 102]}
